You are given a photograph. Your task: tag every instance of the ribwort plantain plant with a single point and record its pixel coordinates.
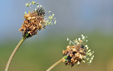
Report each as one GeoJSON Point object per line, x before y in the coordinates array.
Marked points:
{"type": "Point", "coordinates": [34, 21]}
{"type": "Point", "coordinates": [77, 51]}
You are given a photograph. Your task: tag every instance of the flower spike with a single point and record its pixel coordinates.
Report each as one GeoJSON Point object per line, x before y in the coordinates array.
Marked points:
{"type": "Point", "coordinates": [35, 21]}
{"type": "Point", "coordinates": [78, 52]}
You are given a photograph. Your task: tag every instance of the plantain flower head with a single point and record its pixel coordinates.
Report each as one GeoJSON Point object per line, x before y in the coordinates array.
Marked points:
{"type": "Point", "coordinates": [77, 52]}
{"type": "Point", "coordinates": [35, 20]}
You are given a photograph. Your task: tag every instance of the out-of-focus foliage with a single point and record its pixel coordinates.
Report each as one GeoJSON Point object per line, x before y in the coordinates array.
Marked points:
{"type": "Point", "coordinates": [41, 53]}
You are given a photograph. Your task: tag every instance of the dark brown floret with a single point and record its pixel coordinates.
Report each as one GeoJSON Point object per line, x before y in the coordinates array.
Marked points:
{"type": "Point", "coordinates": [40, 11]}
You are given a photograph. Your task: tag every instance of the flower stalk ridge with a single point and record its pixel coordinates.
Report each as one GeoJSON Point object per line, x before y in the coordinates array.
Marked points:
{"type": "Point", "coordinates": [35, 20]}
{"type": "Point", "coordinates": [77, 52]}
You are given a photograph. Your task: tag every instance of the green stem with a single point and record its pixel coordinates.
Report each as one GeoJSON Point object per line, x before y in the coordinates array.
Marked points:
{"type": "Point", "coordinates": [13, 53]}
{"type": "Point", "coordinates": [50, 68]}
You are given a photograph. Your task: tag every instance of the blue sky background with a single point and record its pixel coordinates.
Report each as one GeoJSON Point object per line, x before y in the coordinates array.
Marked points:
{"type": "Point", "coordinates": [72, 16]}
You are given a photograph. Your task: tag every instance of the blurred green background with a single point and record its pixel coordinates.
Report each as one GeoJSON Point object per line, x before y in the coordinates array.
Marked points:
{"type": "Point", "coordinates": [93, 18]}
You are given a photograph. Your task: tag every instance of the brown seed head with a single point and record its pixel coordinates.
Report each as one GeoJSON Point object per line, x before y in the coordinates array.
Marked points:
{"type": "Point", "coordinates": [32, 24]}
{"type": "Point", "coordinates": [74, 54]}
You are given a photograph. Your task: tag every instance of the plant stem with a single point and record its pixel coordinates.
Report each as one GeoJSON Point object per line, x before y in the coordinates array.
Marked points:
{"type": "Point", "coordinates": [13, 53]}
{"type": "Point", "coordinates": [54, 64]}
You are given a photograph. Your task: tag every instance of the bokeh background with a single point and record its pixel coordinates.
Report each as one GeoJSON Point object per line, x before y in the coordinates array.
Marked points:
{"type": "Point", "coordinates": [93, 18]}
